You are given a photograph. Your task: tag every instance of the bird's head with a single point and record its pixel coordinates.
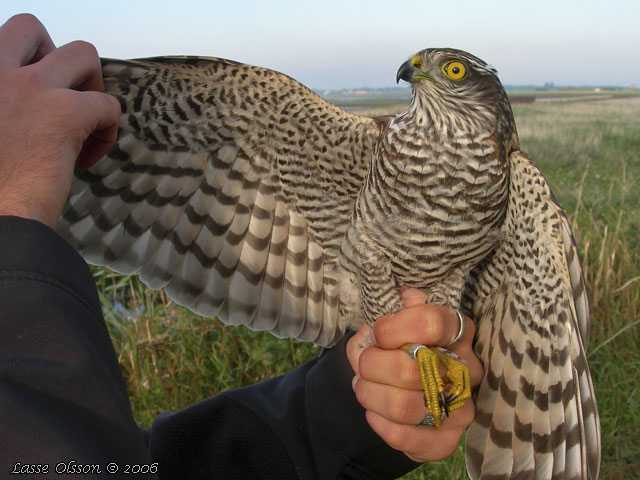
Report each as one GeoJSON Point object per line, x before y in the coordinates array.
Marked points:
{"type": "Point", "coordinates": [454, 86]}
{"type": "Point", "coordinates": [446, 67]}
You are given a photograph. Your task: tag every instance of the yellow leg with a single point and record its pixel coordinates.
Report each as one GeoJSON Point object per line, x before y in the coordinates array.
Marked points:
{"type": "Point", "coordinates": [435, 399]}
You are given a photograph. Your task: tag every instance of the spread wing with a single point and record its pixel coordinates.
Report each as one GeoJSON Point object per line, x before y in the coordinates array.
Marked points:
{"type": "Point", "coordinates": [230, 187]}
{"type": "Point", "coordinates": [536, 409]}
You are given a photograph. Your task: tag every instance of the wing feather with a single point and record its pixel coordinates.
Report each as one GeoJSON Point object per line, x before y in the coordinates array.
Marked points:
{"type": "Point", "coordinates": [536, 411]}
{"type": "Point", "coordinates": [230, 186]}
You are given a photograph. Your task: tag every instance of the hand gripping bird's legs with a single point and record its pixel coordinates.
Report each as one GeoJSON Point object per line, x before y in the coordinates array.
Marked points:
{"type": "Point", "coordinates": [437, 402]}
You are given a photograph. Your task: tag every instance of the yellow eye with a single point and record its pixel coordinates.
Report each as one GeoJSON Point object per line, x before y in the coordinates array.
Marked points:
{"type": "Point", "coordinates": [454, 70]}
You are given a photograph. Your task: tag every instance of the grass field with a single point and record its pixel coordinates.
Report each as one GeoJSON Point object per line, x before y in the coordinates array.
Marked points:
{"type": "Point", "coordinates": [589, 149]}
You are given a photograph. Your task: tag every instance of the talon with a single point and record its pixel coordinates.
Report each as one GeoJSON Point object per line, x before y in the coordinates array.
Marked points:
{"type": "Point", "coordinates": [444, 403]}
{"type": "Point", "coordinates": [451, 397]}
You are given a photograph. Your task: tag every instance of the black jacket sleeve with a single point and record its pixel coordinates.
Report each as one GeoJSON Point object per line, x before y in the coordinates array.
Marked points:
{"type": "Point", "coordinates": [63, 399]}
{"type": "Point", "coordinates": [62, 396]}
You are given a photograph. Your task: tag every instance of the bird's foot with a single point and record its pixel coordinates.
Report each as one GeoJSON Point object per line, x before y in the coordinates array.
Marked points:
{"type": "Point", "coordinates": [437, 401]}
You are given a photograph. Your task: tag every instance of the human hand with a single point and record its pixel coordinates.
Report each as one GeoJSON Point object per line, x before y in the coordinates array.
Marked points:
{"type": "Point", "coordinates": [53, 116]}
{"type": "Point", "coordinates": [387, 383]}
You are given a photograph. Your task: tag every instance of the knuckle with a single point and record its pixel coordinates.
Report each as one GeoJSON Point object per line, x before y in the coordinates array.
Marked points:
{"type": "Point", "coordinates": [432, 323]}
{"type": "Point", "coordinates": [450, 441]}
{"type": "Point", "coordinates": [79, 50]}
{"type": "Point", "coordinates": [66, 101]}
{"type": "Point", "coordinates": [85, 47]}
{"type": "Point", "coordinates": [365, 362]}
{"type": "Point", "coordinates": [29, 78]}
{"type": "Point", "coordinates": [66, 109]}
{"type": "Point", "coordinates": [436, 329]}
{"type": "Point", "coordinates": [382, 328]}
{"type": "Point", "coordinates": [394, 436]}
{"type": "Point", "coordinates": [25, 20]}
{"type": "Point", "coordinates": [471, 327]}
{"type": "Point", "coordinates": [476, 370]}
{"type": "Point", "coordinates": [360, 393]}
{"type": "Point", "coordinates": [467, 415]}
{"type": "Point", "coordinates": [401, 406]}
{"type": "Point", "coordinates": [407, 373]}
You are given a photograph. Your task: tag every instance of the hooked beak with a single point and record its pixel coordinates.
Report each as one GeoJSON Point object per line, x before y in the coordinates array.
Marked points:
{"type": "Point", "coordinates": [406, 72]}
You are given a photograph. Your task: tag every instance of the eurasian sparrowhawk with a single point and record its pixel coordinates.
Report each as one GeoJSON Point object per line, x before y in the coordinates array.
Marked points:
{"type": "Point", "coordinates": [246, 196]}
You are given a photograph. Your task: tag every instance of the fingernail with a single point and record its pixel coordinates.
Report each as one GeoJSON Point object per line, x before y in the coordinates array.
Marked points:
{"type": "Point", "coordinates": [408, 293]}
{"type": "Point", "coordinates": [372, 337]}
{"type": "Point", "coordinates": [354, 381]}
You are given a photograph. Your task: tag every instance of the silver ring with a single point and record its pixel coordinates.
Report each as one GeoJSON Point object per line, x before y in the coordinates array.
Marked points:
{"type": "Point", "coordinates": [427, 421]}
{"type": "Point", "coordinates": [413, 350]}
{"type": "Point", "coordinates": [463, 328]}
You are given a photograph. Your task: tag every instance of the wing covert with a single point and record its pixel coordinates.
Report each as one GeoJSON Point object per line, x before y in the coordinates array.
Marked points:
{"type": "Point", "coordinates": [230, 186]}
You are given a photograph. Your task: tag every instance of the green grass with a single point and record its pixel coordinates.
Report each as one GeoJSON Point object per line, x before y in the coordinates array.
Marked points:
{"type": "Point", "coordinates": [589, 150]}
{"type": "Point", "coordinates": [172, 358]}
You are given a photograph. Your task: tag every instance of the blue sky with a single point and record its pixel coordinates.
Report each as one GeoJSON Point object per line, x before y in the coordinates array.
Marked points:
{"type": "Point", "coordinates": [337, 44]}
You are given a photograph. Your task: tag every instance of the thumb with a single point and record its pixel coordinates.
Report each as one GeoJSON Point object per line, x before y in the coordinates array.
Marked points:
{"type": "Point", "coordinates": [102, 115]}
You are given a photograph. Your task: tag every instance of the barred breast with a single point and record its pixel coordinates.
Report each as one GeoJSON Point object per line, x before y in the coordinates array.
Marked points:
{"type": "Point", "coordinates": [430, 205]}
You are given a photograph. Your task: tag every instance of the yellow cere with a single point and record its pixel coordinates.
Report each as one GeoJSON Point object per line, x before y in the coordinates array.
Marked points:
{"type": "Point", "coordinates": [416, 62]}
{"type": "Point", "coordinates": [454, 70]}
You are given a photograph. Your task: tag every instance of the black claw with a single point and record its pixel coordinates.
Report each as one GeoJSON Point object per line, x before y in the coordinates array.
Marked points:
{"type": "Point", "coordinates": [444, 403]}
{"type": "Point", "coordinates": [451, 398]}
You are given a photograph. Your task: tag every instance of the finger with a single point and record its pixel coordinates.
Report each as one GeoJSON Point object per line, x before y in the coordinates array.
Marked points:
{"type": "Point", "coordinates": [356, 345]}
{"type": "Point", "coordinates": [412, 296]}
{"type": "Point", "coordinates": [428, 324]}
{"type": "Point", "coordinates": [75, 65]}
{"type": "Point", "coordinates": [395, 404]}
{"type": "Point", "coordinates": [28, 38]}
{"type": "Point", "coordinates": [423, 323]}
{"type": "Point", "coordinates": [423, 444]}
{"type": "Point", "coordinates": [102, 116]}
{"type": "Point", "coordinates": [392, 367]}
